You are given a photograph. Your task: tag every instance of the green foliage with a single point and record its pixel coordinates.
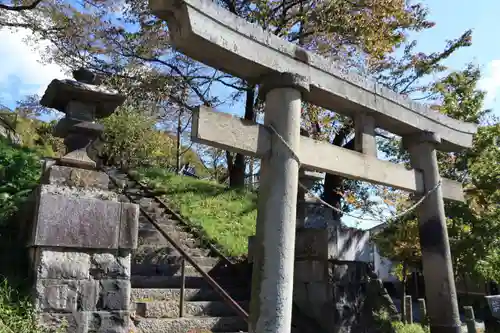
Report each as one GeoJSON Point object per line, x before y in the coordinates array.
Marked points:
{"type": "Point", "coordinates": [19, 173]}
{"type": "Point", "coordinates": [488, 266]}
{"type": "Point", "coordinates": [52, 145]}
{"type": "Point", "coordinates": [26, 128]}
{"type": "Point", "coordinates": [400, 244]}
{"type": "Point", "coordinates": [371, 28]}
{"type": "Point", "coordinates": [383, 324]}
{"type": "Point", "coordinates": [17, 313]}
{"type": "Point", "coordinates": [224, 216]}
{"type": "Point", "coordinates": [37, 134]}
{"type": "Point", "coordinates": [364, 34]}
{"type": "Point", "coordinates": [131, 139]}
{"type": "Point", "coordinates": [474, 226]}
{"type": "Point", "coordinates": [400, 327]}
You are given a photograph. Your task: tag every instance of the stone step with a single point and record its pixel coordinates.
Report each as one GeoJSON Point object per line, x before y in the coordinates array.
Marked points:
{"type": "Point", "coordinates": [173, 281]}
{"type": "Point", "coordinates": [176, 281]}
{"type": "Point", "coordinates": [155, 239]}
{"type": "Point", "coordinates": [162, 220]}
{"type": "Point", "coordinates": [165, 249]}
{"type": "Point", "coordinates": [132, 190]}
{"type": "Point", "coordinates": [143, 202]}
{"type": "Point", "coordinates": [122, 198]}
{"type": "Point", "coordinates": [170, 309]}
{"type": "Point", "coordinates": [153, 236]}
{"type": "Point", "coordinates": [150, 204]}
{"type": "Point", "coordinates": [156, 212]}
{"type": "Point", "coordinates": [167, 223]}
{"type": "Point", "coordinates": [149, 269]}
{"type": "Point", "coordinates": [168, 226]}
{"type": "Point", "coordinates": [173, 270]}
{"type": "Point", "coordinates": [150, 234]}
{"type": "Point", "coordinates": [190, 294]}
{"type": "Point", "coordinates": [185, 324]}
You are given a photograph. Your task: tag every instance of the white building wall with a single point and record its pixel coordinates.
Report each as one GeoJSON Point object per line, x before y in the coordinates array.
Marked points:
{"type": "Point", "coordinates": [348, 244]}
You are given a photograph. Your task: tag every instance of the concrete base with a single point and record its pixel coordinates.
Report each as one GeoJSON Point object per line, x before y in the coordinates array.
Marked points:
{"type": "Point", "coordinates": [81, 243]}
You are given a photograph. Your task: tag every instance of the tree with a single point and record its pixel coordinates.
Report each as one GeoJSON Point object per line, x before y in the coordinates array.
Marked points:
{"type": "Point", "coordinates": [11, 12]}
{"type": "Point", "coordinates": [355, 32]}
{"type": "Point", "coordinates": [213, 161]}
{"type": "Point", "coordinates": [29, 107]}
{"type": "Point", "coordinates": [141, 62]}
{"type": "Point", "coordinates": [131, 140]}
{"type": "Point", "coordinates": [16, 7]}
{"type": "Point", "coordinates": [474, 226]}
{"type": "Point", "coordinates": [142, 59]}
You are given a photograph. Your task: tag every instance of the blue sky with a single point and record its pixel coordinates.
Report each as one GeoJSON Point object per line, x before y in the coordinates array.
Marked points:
{"type": "Point", "coordinates": [22, 73]}
{"type": "Point", "coordinates": [453, 17]}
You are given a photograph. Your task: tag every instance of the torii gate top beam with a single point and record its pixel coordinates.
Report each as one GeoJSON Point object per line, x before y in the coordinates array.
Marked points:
{"type": "Point", "coordinates": [216, 37]}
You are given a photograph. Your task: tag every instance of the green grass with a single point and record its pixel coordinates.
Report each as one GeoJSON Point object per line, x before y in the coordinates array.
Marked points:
{"type": "Point", "coordinates": [409, 328]}
{"type": "Point", "coordinates": [225, 217]}
{"type": "Point", "coordinates": [17, 313]}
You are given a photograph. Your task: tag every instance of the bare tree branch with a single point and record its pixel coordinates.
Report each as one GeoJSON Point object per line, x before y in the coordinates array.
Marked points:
{"type": "Point", "coordinates": [187, 149]}
{"type": "Point", "coordinates": [20, 8]}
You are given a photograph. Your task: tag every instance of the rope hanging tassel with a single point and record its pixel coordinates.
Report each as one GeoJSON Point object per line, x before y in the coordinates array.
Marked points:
{"type": "Point", "coordinates": [308, 191]}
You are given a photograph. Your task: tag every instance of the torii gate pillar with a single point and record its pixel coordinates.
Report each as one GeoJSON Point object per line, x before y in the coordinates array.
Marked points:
{"type": "Point", "coordinates": [440, 290]}
{"type": "Point", "coordinates": [272, 285]}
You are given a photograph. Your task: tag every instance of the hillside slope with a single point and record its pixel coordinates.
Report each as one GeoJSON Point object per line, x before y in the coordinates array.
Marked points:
{"type": "Point", "coordinates": [226, 217]}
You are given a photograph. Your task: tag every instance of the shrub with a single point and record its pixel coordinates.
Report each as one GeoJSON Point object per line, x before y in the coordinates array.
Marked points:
{"type": "Point", "coordinates": [17, 313]}
{"type": "Point", "coordinates": [400, 327]}
{"type": "Point", "coordinates": [19, 173]}
{"type": "Point", "coordinates": [383, 324]}
{"type": "Point", "coordinates": [20, 170]}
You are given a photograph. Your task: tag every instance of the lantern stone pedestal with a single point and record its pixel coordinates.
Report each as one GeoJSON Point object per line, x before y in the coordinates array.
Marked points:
{"type": "Point", "coordinates": [81, 235]}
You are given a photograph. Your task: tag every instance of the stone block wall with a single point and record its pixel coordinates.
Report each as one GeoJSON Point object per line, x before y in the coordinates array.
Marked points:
{"type": "Point", "coordinates": [311, 289]}
{"type": "Point", "coordinates": [330, 291]}
{"type": "Point", "coordinates": [88, 290]}
{"type": "Point", "coordinates": [344, 243]}
{"type": "Point", "coordinates": [81, 243]}
{"type": "Point", "coordinates": [348, 283]}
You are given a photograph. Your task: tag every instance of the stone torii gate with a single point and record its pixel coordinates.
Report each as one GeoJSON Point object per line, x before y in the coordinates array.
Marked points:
{"type": "Point", "coordinates": [287, 75]}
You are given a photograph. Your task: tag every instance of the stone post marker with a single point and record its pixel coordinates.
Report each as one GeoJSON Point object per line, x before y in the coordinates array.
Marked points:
{"type": "Point", "coordinates": [82, 236]}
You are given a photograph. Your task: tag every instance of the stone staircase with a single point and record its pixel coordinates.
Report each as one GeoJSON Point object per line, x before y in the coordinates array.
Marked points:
{"type": "Point", "coordinates": [157, 283]}
{"type": "Point", "coordinates": [157, 274]}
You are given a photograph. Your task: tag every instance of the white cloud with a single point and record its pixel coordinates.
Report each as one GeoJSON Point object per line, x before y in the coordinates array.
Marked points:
{"type": "Point", "coordinates": [490, 82]}
{"type": "Point", "coordinates": [22, 72]}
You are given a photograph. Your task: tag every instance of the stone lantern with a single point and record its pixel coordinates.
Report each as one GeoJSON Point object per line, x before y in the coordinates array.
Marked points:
{"type": "Point", "coordinates": [83, 101]}
{"type": "Point", "coordinates": [80, 235]}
